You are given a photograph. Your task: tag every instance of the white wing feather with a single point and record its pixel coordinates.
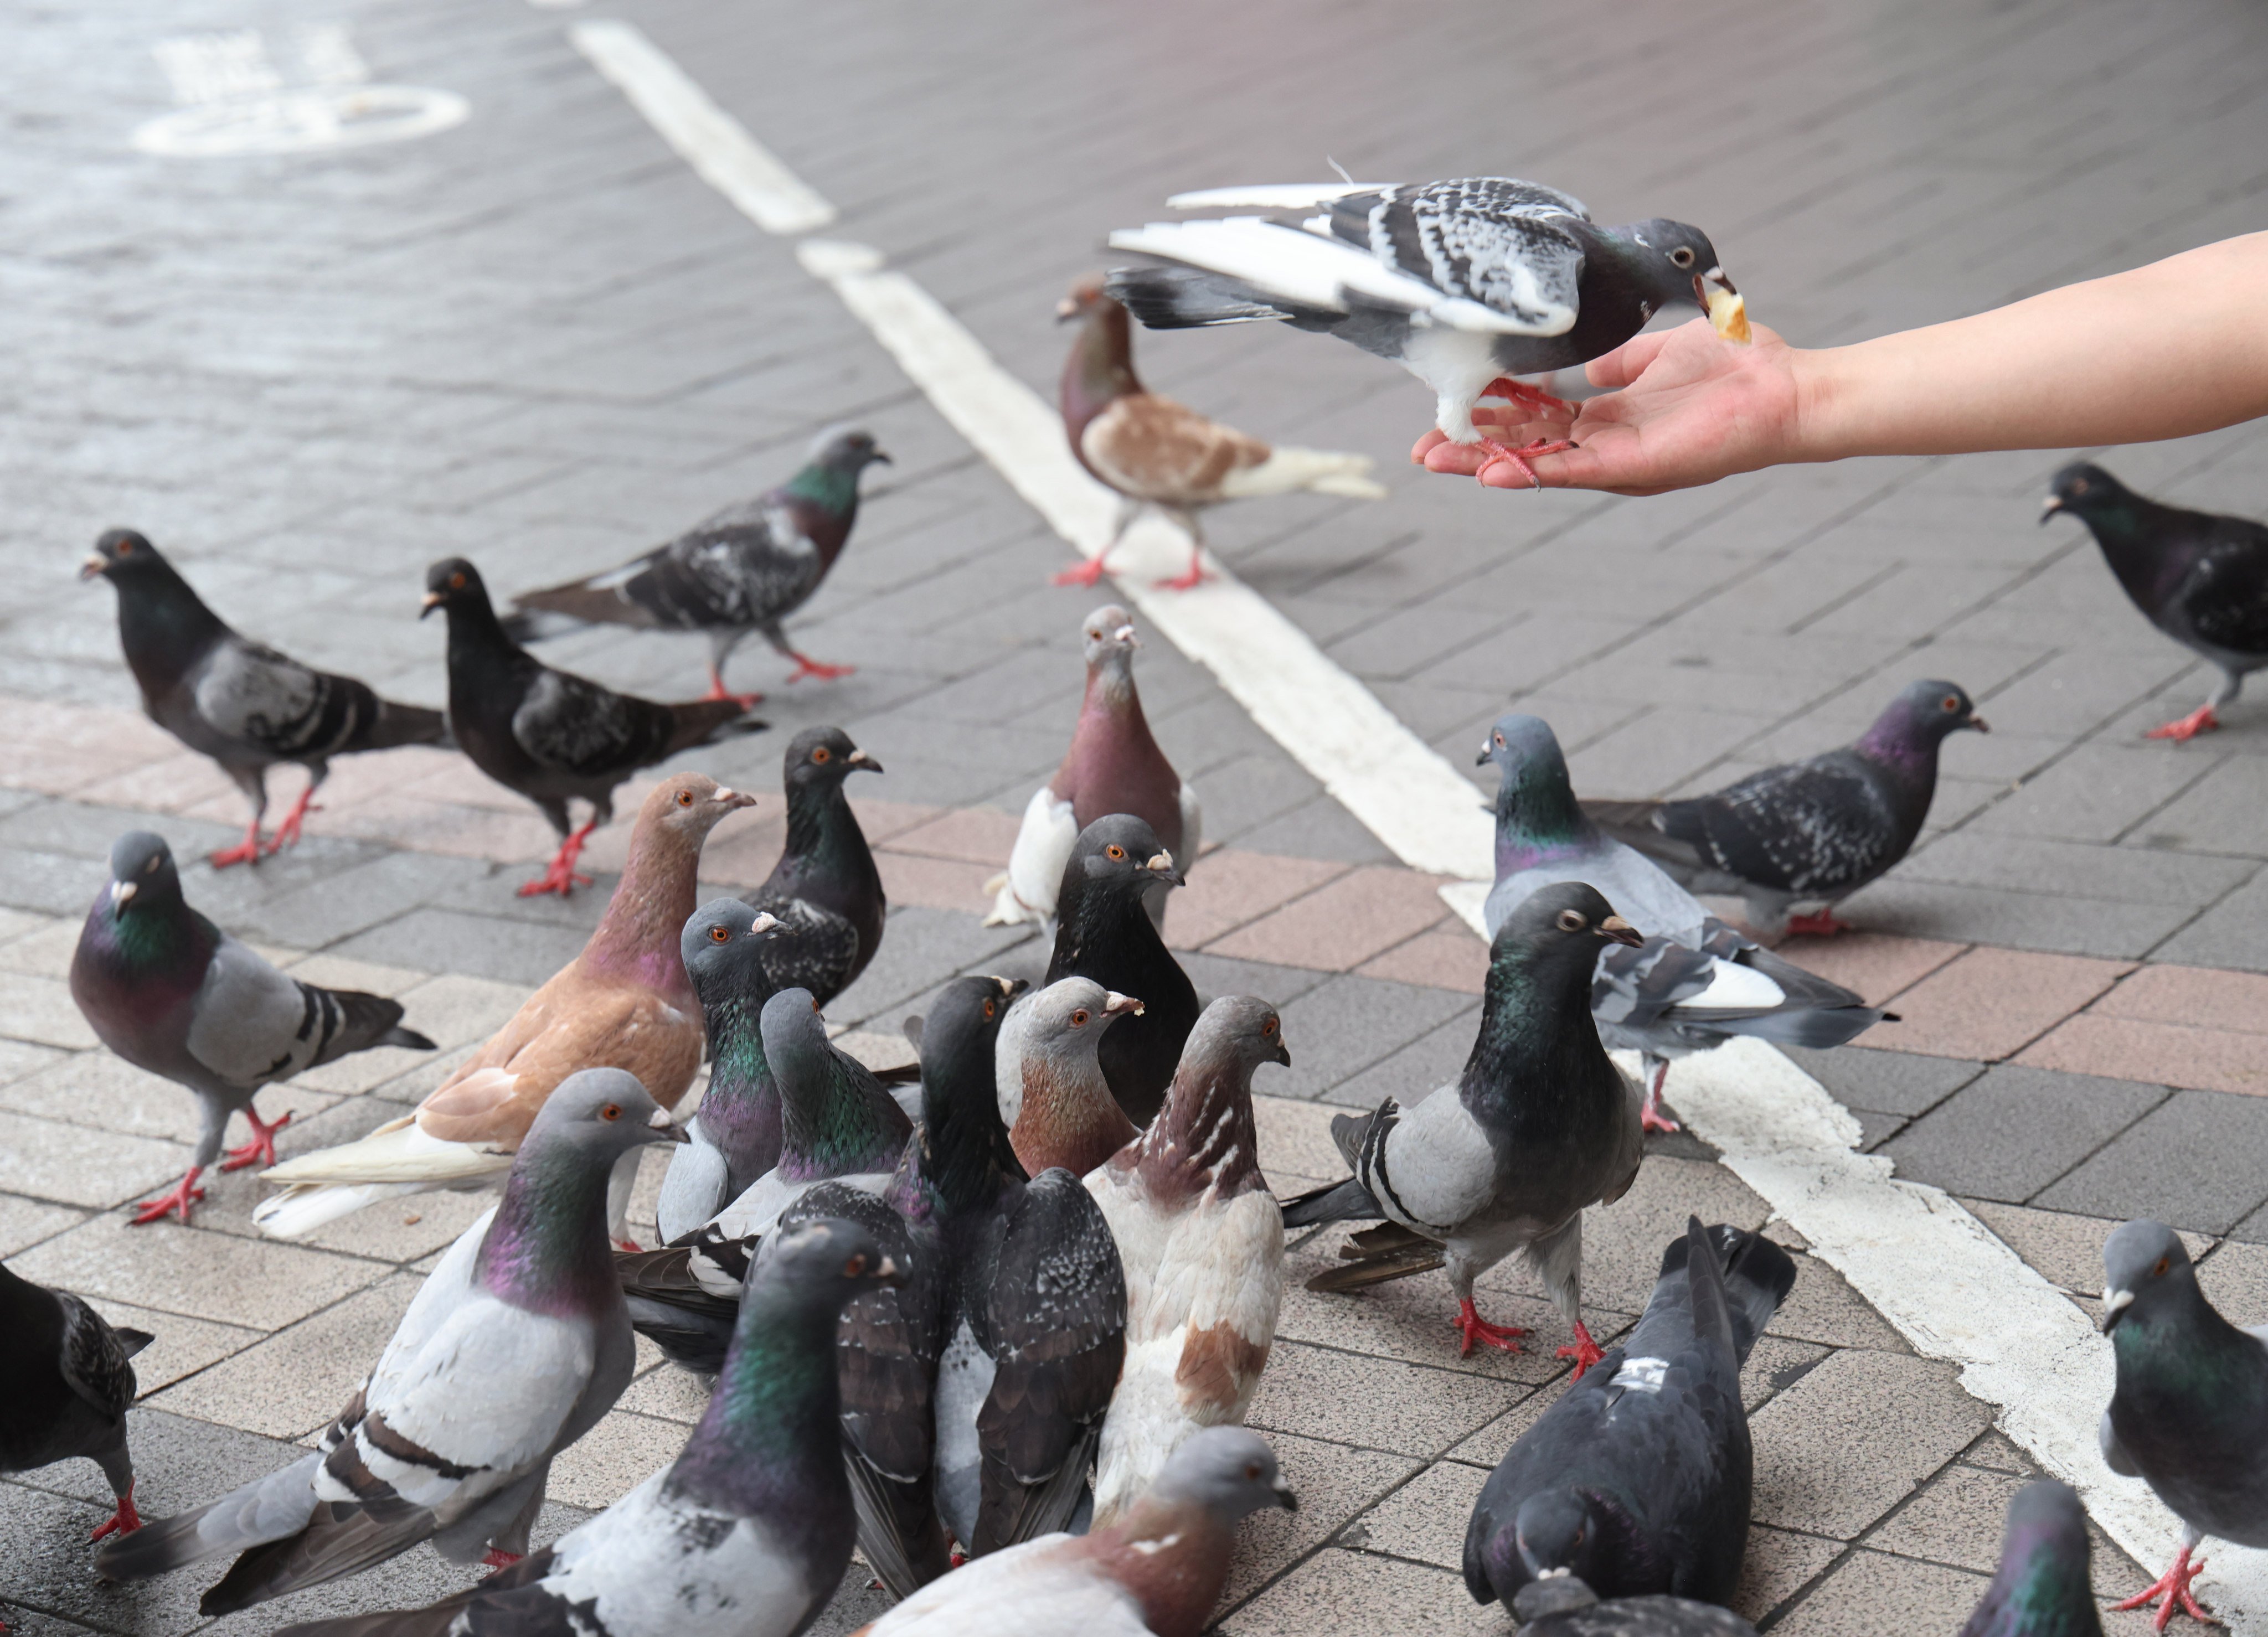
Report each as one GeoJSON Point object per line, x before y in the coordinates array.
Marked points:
{"type": "Point", "coordinates": [1035, 865]}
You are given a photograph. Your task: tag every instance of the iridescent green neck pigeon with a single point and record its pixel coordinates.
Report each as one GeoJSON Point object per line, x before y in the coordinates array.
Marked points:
{"type": "Point", "coordinates": [2041, 1587]}
{"type": "Point", "coordinates": [65, 1386]}
{"type": "Point", "coordinates": [825, 891]}
{"type": "Point", "coordinates": [735, 1134]}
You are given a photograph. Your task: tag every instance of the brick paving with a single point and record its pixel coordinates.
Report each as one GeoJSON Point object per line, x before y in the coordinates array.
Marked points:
{"type": "Point", "coordinates": [539, 340]}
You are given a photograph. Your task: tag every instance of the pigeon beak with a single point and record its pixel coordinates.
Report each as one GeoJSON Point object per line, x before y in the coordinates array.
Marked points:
{"type": "Point", "coordinates": [1284, 1498]}
{"type": "Point", "coordinates": [433, 599]}
{"type": "Point", "coordinates": [1113, 1004]}
{"type": "Point", "coordinates": [2048, 507]}
{"type": "Point", "coordinates": [860, 758]}
{"type": "Point", "coordinates": [1482, 760]}
{"type": "Point", "coordinates": [1067, 309]}
{"type": "Point", "coordinates": [95, 563]}
{"type": "Point", "coordinates": [1011, 987]}
{"type": "Point", "coordinates": [1621, 931]}
{"type": "Point", "coordinates": [1162, 863]}
{"type": "Point", "coordinates": [1125, 634]}
{"type": "Point", "coordinates": [765, 922]}
{"type": "Point", "coordinates": [2115, 1303]}
{"type": "Point", "coordinates": [1283, 1052]}
{"type": "Point", "coordinates": [876, 454]}
{"type": "Point", "coordinates": [732, 799]}
{"type": "Point", "coordinates": [660, 1121]}
{"type": "Point", "coordinates": [122, 894]}
{"type": "Point", "coordinates": [1977, 723]}
{"type": "Point", "coordinates": [887, 1271]}
{"type": "Point", "coordinates": [1728, 313]}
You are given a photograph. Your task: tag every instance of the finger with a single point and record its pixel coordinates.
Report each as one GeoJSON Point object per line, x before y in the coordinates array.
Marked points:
{"type": "Point", "coordinates": [1463, 459]}
{"type": "Point", "coordinates": [1427, 446]}
{"type": "Point", "coordinates": [1626, 363]}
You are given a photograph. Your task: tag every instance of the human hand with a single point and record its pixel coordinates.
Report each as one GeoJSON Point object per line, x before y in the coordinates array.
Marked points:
{"type": "Point", "coordinates": [1691, 409]}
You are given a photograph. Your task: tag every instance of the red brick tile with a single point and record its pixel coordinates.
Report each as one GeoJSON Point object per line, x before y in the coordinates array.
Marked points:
{"type": "Point", "coordinates": [1343, 923]}
{"type": "Point", "coordinates": [454, 779]}
{"type": "Point", "coordinates": [2128, 1048]}
{"type": "Point", "coordinates": [938, 882]}
{"type": "Point", "coordinates": [2195, 995]}
{"type": "Point", "coordinates": [1228, 887]}
{"type": "Point", "coordinates": [743, 850]}
{"type": "Point", "coordinates": [1990, 1003]}
{"type": "Point", "coordinates": [886, 821]}
{"type": "Point", "coordinates": [975, 835]}
{"type": "Point", "coordinates": [1450, 958]}
{"type": "Point", "coordinates": [173, 784]}
{"type": "Point", "coordinates": [1875, 965]}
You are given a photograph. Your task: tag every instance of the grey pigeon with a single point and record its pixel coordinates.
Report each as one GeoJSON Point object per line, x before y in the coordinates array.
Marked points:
{"type": "Point", "coordinates": [825, 889]}
{"type": "Point", "coordinates": [2201, 579]}
{"type": "Point", "coordinates": [514, 1347]}
{"type": "Point", "coordinates": [239, 701]}
{"type": "Point", "coordinates": [1461, 283]}
{"type": "Point", "coordinates": [1695, 982]}
{"type": "Point", "coordinates": [2041, 1587]}
{"type": "Point", "coordinates": [746, 1533]}
{"type": "Point", "coordinates": [170, 992]}
{"type": "Point", "coordinates": [1636, 1481]}
{"type": "Point", "coordinates": [550, 735]}
{"type": "Point", "coordinates": [1048, 1066]}
{"type": "Point", "coordinates": [1564, 1606]}
{"type": "Point", "coordinates": [734, 1137]}
{"type": "Point", "coordinates": [2190, 1413]}
{"type": "Point", "coordinates": [746, 569]}
{"type": "Point", "coordinates": [1540, 1124]}
{"type": "Point", "coordinates": [65, 1386]}
{"type": "Point", "coordinates": [1810, 832]}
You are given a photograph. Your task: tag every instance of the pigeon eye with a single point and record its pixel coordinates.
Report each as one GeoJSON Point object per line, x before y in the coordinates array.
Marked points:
{"type": "Point", "coordinates": [1572, 920]}
{"type": "Point", "coordinates": [1681, 256]}
{"type": "Point", "coordinates": [1113, 851]}
{"type": "Point", "coordinates": [1952, 703]}
{"type": "Point", "coordinates": [988, 1011]}
{"type": "Point", "coordinates": [855, 1266]}
{"type": "Point", "coordinates": [612, 1110]}
{"type": "Point", "coordinates": [822, 755]}
{"type": "Point", "coordinates": [685, 798]}
{"type": "Point", "coordinates": [2158, 1271]}
{"type": "Point", "coordinates": [125, 548]}
{"type": "Point", "coordinates": [719, 934]}
{"type": "Point", "coordinates": [1079, 1018]}
{"type": "Point", "coordinates": [457, 582]}
{"type": "Point", "coordinates": [815, 1008]}
{"type": "Point", "coordinates": [1499, 741]}
{"type": "Point", "coordinates": [1252, 1472]}
{"type": "Point", "coordinates": [151, 869]}
{"type": "Point", "coordinates": [1269, 1027]}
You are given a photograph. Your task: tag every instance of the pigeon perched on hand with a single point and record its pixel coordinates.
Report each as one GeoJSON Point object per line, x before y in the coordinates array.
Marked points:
{"type": "Point", "coordinates": [1462, 283]}
{"type": "Point", "coordinates": [743, 570]}
{"type": "Point", "coordinates": [1104, 931]}
{"type": "Point", "coordinates": [65, 1386]}
{"type": "Point", "coordinates": [173, 994]}
{"type": "Point", "coordinates": [1635, 1480]}
{"type": "Point", "coordinates": [1153, 452]}
{"type": "Point", "coordinates": [1202, 1241]}
{"type": "Point", "coordinates": [239, 701]}
{"type": "Point", "coordinates": [623, 1002]}
{"type": "Point", "coordinates": [1695, 982]}
{"type": "Point", "coordinates": [1540, 1124]}
{"type": "Point", "coordinates": [735, 1136]}
{"type": "Point", "coordinates": [825, 891]}
{"type": "Point", "coordinates": [1053, 1098]}
{"type": "Point", "coordinates": [1810, 832]}
{"type": "Point", "coordinates": [2041, 1587]}
{"type": "Point", "coordinates": [746, 1533]}
{"type": "Point", "coordinates": [1158, 1569]}
{"type": "Point", "coordinates": [550, 735]}
{"type": "Point", "coordinates": [1564, 1606]}
{"type": "Point", "coordinates": [2201, 579]}
{"type": "Point", "coordinates": [2190, 1413]}
{"type": "Point", "coordinates": [514, 1347]}
{"type": "Point", "coordinates": [1114, 766]}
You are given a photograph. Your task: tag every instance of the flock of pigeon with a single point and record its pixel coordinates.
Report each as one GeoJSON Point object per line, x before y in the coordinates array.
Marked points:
{"type": "Point", "coordinates": [996, 1318]}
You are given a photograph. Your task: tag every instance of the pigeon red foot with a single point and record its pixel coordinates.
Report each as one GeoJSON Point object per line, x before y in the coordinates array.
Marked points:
{"type": "Point", "coordinates": [2199, 721]}
{"type": "Point", "coordinates": [1586, 1352]}
{"type": "Point", "coordinates": [247, 851]}
{"type": "Point", "coordinates": [287, 834]}
{"type": "Point", "coordinates": [1472, 1327]}
{"type": "Point", "coordinates": [262, 1148]}
{"type": "Point", "coordinates": [1823, 925]}
{"type": "Point", "coordinates": [1082, 574]}
{"type": "Point", "coordinates": [806, 666]}
{"type": "Point", "coordinates": [496, 1559]}
{"type": "Point", "coordinates": [124, 1520]}
{"type": "Point", "coordinates": [1190, 577]}
{"type": "Point", "coordinates": [1528, 397]}
{"type": "Point", "coordinates": [1650, 1117]}
{"type": "Point", "coordinates": [560, 877]}
{"type": "Point", "coordinates": [717, 690]}
{"type": "Point", "coordinates": [1499, 453]}
{"type": "Point", "coordinates": [2173, 1584]}
{"type": "Point", "coordinates": [185, 1193]}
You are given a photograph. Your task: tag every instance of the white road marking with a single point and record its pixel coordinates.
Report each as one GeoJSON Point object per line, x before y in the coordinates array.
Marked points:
{"type": "Point", "coordinates": [234, 100]}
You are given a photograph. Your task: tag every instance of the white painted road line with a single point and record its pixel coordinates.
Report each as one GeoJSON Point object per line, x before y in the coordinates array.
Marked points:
{"type": "Point", "coordinates": [709, 139]}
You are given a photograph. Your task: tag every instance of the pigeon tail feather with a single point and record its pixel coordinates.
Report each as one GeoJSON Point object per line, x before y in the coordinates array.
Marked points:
{"type": "Point", "coordinates": [398, 724]}
{"type": "Point", "coordinates": [1184, 298]}
{"type": "Point", "coordinates": [301, 1209]}
{"type": "Point", "coordinates": [1324, 471]}
{"type": "Point", "coordinates": [1347, 1201]}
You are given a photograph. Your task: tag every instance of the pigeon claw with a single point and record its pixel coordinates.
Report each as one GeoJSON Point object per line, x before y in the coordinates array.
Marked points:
{"type": "Point", "coordinates": [247, 851]}
{"type": "Point", "coordinates": [124, 1520]}
{"type": "Point", "coordinates": [261, 1149]}
{"type": "Point", "coordinates": [717, 690]}
{"type": "Point", "coordinates": [1472, 1327]}
{"type": "Point", "coordinates": [1527, 397]}
{"type": "Point", "coordinates": [806, 666]}
{"type": "Point", "coordinates": [1823, 925]}
{"type": "Point", "coordinates": [2199, 721]}
{"type": "Point", "coordinates": [1586, 1352]}
{"type": "Point", "coordinates": [560, 876]}
{"type": "Point", "coordinates": [496, 1559]}
{"type": "Point", "coordinates": [185, 1193]}
{"type": "Point", "coordinates": [1499, 453]}
{"type": "Point", "coordinates": [1650, 1117]}
{"type": "Point", "coordinates": [1082, 574]}
{"type": "Point", "coordinates": [2174, 1586]}
{"type": "Point", "coordinates": [1190, 578]}
{"type": "Point", "coordinates": [287, 834]}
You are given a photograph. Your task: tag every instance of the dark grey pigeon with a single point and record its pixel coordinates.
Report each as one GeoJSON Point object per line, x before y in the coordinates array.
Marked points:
{"type": "Point", "coordinates": [734, 1137]}
{"type": "Point", "coordinates": [1564, 1606]}
{"type": "Point", "coordinates": [825, 889]}
{"type": "Point", "coordinates": [2041, 1587]}
{"type": "Point", "coordinates": [1809, 832]}
{"type": "Point", "coordinates": [1104, 931]}
{"type": "Point", "coordinates": [1695, 982]}
{"type": "Point", "coordinates": [1540, 1125]}
{"type": "Point", "coordinates": [65, 1386]}
{"type": "Point", "coordinates": [239, 701]}
{"type": "Point", "coordinates": [746, 1533]}
{"type": "Point", "coordinates": [2201, 579]}
{"type": "Point", "coordinates": [550, 735]}
{"type": "Point", "coordinates": [1636, 1481]}
{"type": "Point", "coordinates": [515, 1347]}
{"type": "Point", "coordinates": [1461, 283]}
{"type": "Point", "coordinates": [2190, 1413]}
{"type": "Point", "coordinates": [170, 992]}
{"type": "Point", "coordinates": [743, 570]}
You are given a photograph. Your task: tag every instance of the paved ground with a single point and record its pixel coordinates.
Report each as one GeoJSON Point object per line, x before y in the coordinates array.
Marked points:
{"type": "Point", "coordinates": [539, 340]}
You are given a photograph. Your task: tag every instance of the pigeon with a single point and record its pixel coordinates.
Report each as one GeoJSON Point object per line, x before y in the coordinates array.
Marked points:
{"type": "Point", "coordinates": [513, 1347]}
{"type": "Point", "coordinates": [1153, 451]}
{"type": "Point", "coordinates": [1104, 932]}
{"type": "Point", "coordinates": [65, 1384]}
{"type": "Point", "coordinates": [2041, 1587]}
{"type": "Point", "coordinates": [1695, 982]}
{"type": "Point", "coordinates": [173, 994]}
{"type": "Point", "coordinates": [743, 570]}
{"type": "Point", "coordinates": [1202, 1241]}
{"type": "Point", "coordinates": [1807, 832]}
{"type": "Point", "coordinates": [548, 734]}
{"type": "Point", "coordinates": [1540, 1124]}
{"type": "Point", "coordinates": [746, 1534]}
{"type": "Point", "coordinates": [1462, 283]}
{"type": "Point", "coordinates": [1053, 1098]}
{"type": "Point", "coordinates": [2201, 579]}
{"type": "Point", "coordinates": [1158, 1569]}
{"type": "Point", "coordinates": [624, 1002]}
{"type": "Point", "coordinates": [239, 701]}
{"type": "Point", "coordinates": [1636, 1480]}
{"type": "Point", "coordinates": [836, 1120]}
{"type": "Point", "coordinates": [1564, 1606]}
{"type": "Point", "coordinates": [2190, 1413]}
{"type": "Point", "coordinates": [1113, 767]}
{"type": "Point", "coordinates": [734, 1137]}
{"type": "Point", "coordinates": [825, 889]}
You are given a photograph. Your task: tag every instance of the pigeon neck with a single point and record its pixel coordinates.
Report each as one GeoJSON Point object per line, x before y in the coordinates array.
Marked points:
{"type": "Point", "coordinates": [965, 1155]}
{"type": "Point", "coordinates": [740, 1110]}
{"type": "Point", "coordinates": [480, 657]}
{"type": "Point", "coordinates": [1094, 918]}
{"type": "Point", "coordinates": [159, 950]}
{"type": "Point", "coordinates": [2177, 1351]}
{"type": "Point", "coordinates": [826, 849]}
{"type": "Point", "coordinates": [1100, 368]}
{"type": "Point", "coordinates": [2045, 1585]}
{"type": "Point", "coordinates": [638, 938]}
{"type": "Point", "coordinates": [827, 1128]}
{"type": "Point", "coordinates": [1538, 820]}
{"type": "Point", "coordinates": [162, 624]}
{"type": "Point", "coordinates": [824, 501]}
{"type": "Point", "coordinates": [1894, 741]}
{"type": "Point", "coordinates": [2147, 563]}
{"type": "Point", "coordinates": [1069, 1111]}
{"type": "Point", "coordinates": [546, 1251]}
{"type": "Point", "coordinates": [1202, 1138]}
{"type": "Point", "coordinates": [1538, 1041]}
{"type": "Point", "coordinates": [1170, 1556]}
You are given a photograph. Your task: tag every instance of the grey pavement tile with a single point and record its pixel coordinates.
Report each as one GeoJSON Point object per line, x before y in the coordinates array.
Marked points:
{"type": "Point", "coordinates": [1841, 1447]}
{"type": "Point", "coordinates": [2200, 1161]}
{"type": "Point", "coordinates": [2152, 873]}
{"type": "Point", "coordinates": [2096, 793]}
{"type": "Point", "coordinates": [1216, 975]}
{"type": "Point", "coordinates": [1354, 1591]}
{"type": "Point", "coordinates": [2013, 1131]}
{"type": "Point", "coordinates": [2226, 811]}
{"type": "Point", "coordinates": [222, 1277]}
{"type": "Point", "coordinates": [2234, 1278]}
{"type": "Point", "coordinates": [1424, 1519]}
{"type": "Point", "coordinates": [291, 1385]}
{"type": "Point", "coordinates": [1873, 1594]}
{"type": "Point", "coordinates": [1823, 1309]}
{"type": "Point", "coordinates": [1373, 1402]}
{"type": "Point", "coordinates": [1778, 1564]}
{"type": "Point", "coordinates": [2064, 1250]}
{"type": "Point", "coordinates": [2231, 933]}
{"type": "Point", "coordinates": [919, 948]}
{"type": "Point", "coordinates": [25, 1223]}
{"type": "Point", "coordinates": [1333, 1484]}
{"type": "Point", "coordinates": [2063, 923]}
{"type": "Point", "coordinates": [1891, 1082]}
{"type": "Point", "coordinates": [489, 946]}
{"type": "Point", "coordinates": [1346, 1023]}
{"type": "Point", "coordinates": [1434, 1059]}
{"type": "Point", "coordinates": [73, 1165]}
{"type": "Point", "coordinates": [1957, 1520]}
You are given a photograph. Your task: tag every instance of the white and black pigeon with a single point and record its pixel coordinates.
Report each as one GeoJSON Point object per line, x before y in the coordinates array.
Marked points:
{"type": "Point", "coordinates": [239, 701]}
{"type": "Point", "coordinates": [1054, 1100]}
{"type": "Point", "coordinates": [514, 1347]}
{"type": "Point", "coordinates": [173, 994]}
{"type": "Point", "coordinates": [1564, 1606]}
{"type": "Point", "coordinates": [825, 889]}
{"type": "Point", "coordinates": [735, 1136]}
{"type": "Point", "coordinates": [746, 569]}
{"type": "Point", "coordinates": [1636, 1481]}
{"type": "Point", "coordinates": [550, 735]}
{"type": "Point", "coordinates": [1810, 832]}
{"type": "Point", "coordinates": [1113, 766]}
{"type": "Point", "coordinates": [1540, 1125]}
{"type": "Point", "coordinates": [1463, 283]}
{"type": "Point", "coordinates": [1695, 982]}
{"type": "Point", "coordinates": [65, 1386]}
{"type": "Point", "coordinates": [2190, 1413]}
{"type": "Point", "coordinates": [2201, 579]}
{"type": "Point", "coordinates": [2042, 1586]}
{"type": "Point", "coordinates": [746, 1533]}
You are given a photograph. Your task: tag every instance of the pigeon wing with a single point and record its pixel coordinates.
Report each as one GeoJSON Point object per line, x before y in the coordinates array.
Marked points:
{"type": "Point", "coordinates": [2225, 597]}
{"type": "Point", "coordinates": [1808, 826]}
{"type": "Point", "coordinates": [94, 1361]}
{"type": "Point", "coordinates": [813, 949]}
{"type": "Point", "coordinates": [1035, 1591]}
{"type": "Point", "coordinates": [1504, 244]}
{"type": "Point", "coordinates": [576, 726]}
{"type": "Point", "coordinates": [252, 694]}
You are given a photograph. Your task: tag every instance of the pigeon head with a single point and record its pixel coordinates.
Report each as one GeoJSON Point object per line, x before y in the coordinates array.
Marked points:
{"type": "Point", "coordinates": [1228, 1470]}
{"type": "Point", "coordinates": [2147, 1273]}
{"type": "Point", "coordinates": [1917, 720]}
{"type": "Point", "coordinates": [795, 1038]}
{"type": "Point", "coordinates": [1118, 857]}
{"type": "Point", "coordinates": [823, 758]}
{"type": "Point", "coordinates": [1108, 639]}
{"type": "Point", "coordinates": [721, 947]}
{"type": "Point", "coordinates": [2083, 489]}
{"type": "Point", "coordinates": [602, 1114]}
{"type": "Point", "coordinates": [1556, 1533]}
{"type": "Point", "coordinates": [847, 449]}
{"type": "Point", "coordinates": [1537, 818]}
{"type": "Point", "coordinates": [688, 805]}
{"type": "Point", "coordinates": [1062, 1024]}
{"type": "Point", "coordinates": [2042, 1575]}
{"type": "Point", "coordinates": [1563, 924]}
{"type": "Point", "coordinates": [1674, 263]}
{"type": "Point", "coordinates": [126, 558]}
{"type": "Point", "coordinates": [829, 1257]}
{"type": "Point", "coordinates": [1087, 296]}
{"type": "Point", "coordinates": [1238, 1033]}
{"type": "Point", "coordinates": [830, 479]}
{"type": "Point", "coordinates": [455, 585]}
{"type": "Point", "coordinates": [1540, 1599]}
{"type": "Point", "coordinates": [965, 1141]}
{"type": "Point", "coordinates": [143, 878]}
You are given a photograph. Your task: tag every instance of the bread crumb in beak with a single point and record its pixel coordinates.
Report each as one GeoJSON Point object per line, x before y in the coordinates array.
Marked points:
{"type": "Point", "coordinates": [1728, 313]}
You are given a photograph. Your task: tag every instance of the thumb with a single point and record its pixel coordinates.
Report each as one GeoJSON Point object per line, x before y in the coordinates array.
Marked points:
{"type": "Point", "coordinates": [1626, 363]}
